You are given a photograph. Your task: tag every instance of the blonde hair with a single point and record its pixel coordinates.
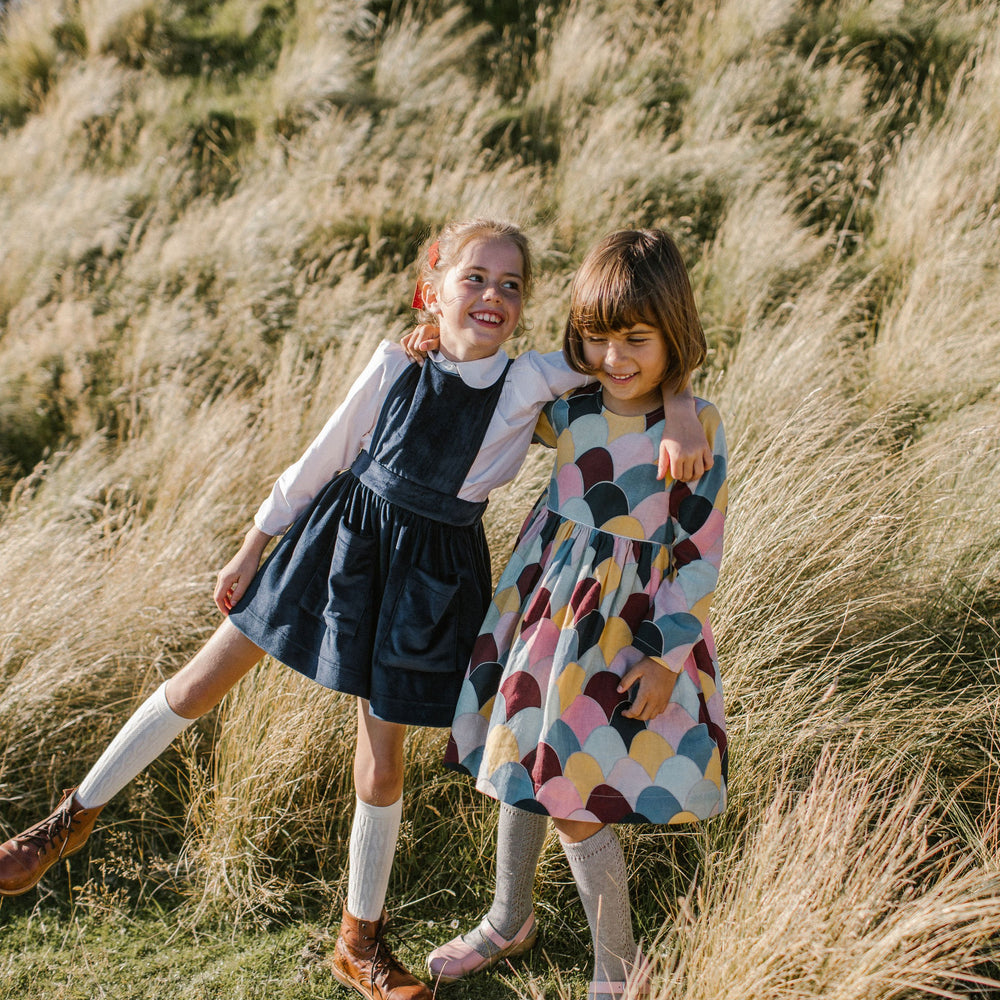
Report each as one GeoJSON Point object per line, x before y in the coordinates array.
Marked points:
{"type": "Point", "coordinates": [636, 276]}
{"type": "Point", "coordinates": [454, 237]}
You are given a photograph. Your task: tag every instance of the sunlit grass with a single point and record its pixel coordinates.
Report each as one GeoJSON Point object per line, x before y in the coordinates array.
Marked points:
{"type": "Point", "coordinates": [199, 253]}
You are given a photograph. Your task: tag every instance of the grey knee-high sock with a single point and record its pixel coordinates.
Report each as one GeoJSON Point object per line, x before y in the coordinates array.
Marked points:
{"type": "Point", "coordinates": [598, 867]}
{"type": "Point", "coordinates": [520, 836]}
{"type": "Point", "coordinates": [152, 728]}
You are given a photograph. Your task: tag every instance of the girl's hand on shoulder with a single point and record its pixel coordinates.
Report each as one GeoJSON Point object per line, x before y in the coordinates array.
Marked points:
{"type": "Point", "coordinates": [234, 578]}
{"type": "Point", "coordinates": [655, 686]}
{"type": "Point", "coordinates": [684, 459]}
{"type": "Point", "coordinates": [421, 341]}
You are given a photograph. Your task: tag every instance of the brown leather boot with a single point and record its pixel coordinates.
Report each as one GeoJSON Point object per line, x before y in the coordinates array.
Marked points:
{"type": "Point", "coordinates": [24, 859]}
{"type": "Point", "coordinates": [362, 960]}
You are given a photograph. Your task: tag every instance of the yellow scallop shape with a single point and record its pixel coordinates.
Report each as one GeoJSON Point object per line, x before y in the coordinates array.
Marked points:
{"type": "Point", "coordinates": [570, 684]}
{"type": "Point", "coordinates": [625, 526]}
{"type": "Point", "coordinates": [685, 817]}
{"type": "Point", "coordinates": [713, 770]}
{"type": "Point", "coordinates": [710, 420]}
{"type": "Point", "coordinates": [508, 599]}
{"type": "Point", "coordinates": [707, 684]}
{"type": "Point", "coordinates": [700, 609]}
{"type": "Point", "coordinates": [585, 773]}
{"type": "Point", "coordinates": [501, 748]}
{"type": "Point", "coordinates": [650, 750]}
{"type": "Point", "coordinates": [609, 575]}
{"type": "Point", "coordinates": [562, 617]}
{"type": "Point", "coordinates": [562, 533]}
{"type": "Point", "coordinates": [615, 637]}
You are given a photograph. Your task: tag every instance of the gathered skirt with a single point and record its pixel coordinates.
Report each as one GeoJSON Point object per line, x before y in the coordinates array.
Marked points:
{"type": "Point", "coordinates": [540, 721]}
{"type": "Point", "coordinates": [373, 600]}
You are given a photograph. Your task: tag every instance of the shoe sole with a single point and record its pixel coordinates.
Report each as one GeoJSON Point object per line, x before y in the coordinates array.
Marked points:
{"type": "Point", "coordinates": [42, 873]}
{"type": "Point", "coordinates": [350, 983]}
{"type": "Point", "coordinates": [514, 951]}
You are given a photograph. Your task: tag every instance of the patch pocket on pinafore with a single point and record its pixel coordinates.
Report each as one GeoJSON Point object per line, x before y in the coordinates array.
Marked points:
{"type": "Point", "coordinates": [340, 590]}
{"type": "Point", "coordinates": [422, 634]}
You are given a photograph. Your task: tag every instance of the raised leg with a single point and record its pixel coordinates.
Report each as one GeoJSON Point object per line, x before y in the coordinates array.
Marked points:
{"type": "Point", "coordinates": [155, 724]}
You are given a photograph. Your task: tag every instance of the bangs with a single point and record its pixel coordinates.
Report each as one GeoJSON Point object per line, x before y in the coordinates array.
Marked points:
{"type": "Point", "coordinates": [609, 303]}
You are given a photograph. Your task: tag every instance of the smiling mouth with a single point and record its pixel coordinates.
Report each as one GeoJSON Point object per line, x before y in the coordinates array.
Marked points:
{"type": "Point", "coordinates": [489, 318]}
{"type": "Point", "coordinates": [620, 378]}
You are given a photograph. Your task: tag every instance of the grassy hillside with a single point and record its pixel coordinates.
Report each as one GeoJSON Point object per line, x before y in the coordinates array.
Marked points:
{"type": "Point", "coordinates": [209, 214]}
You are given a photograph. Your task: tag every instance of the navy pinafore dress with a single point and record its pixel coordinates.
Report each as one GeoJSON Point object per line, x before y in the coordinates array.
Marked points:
{"type": "Point", "coordinates": [380, 586]}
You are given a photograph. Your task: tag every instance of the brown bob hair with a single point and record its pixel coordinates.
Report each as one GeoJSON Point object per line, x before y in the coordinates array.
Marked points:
{"type": "Point", "coordinates": [636, 276]}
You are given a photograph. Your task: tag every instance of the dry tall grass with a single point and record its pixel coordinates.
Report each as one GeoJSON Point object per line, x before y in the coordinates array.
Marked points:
{"type": "Point", "coordinates": [207, 220]}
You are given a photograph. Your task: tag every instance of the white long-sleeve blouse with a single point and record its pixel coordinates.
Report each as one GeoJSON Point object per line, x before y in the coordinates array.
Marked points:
{"type": "Point", "coordinates": [533, 380]}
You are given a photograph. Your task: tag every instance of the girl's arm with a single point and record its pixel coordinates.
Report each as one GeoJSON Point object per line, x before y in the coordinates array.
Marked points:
{"type": "Point", "coordinates": [684, 450]}
{"type": "Point", "coordinates": [337, 444]}
{"type": "Point", "coordinates": [234, 578]}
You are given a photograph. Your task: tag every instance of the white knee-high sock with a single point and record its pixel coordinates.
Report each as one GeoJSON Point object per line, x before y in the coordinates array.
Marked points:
{"type": "Point", "coordinates": [598, 867]}
{"type": "Point", "coordinates": [152, 728]}
{"type": "Point", "coordinates": [373, 846]}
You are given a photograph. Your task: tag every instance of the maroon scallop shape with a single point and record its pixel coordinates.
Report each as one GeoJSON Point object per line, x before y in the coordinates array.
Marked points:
{"type": "Point", "coordinates": [538, 608]}
{"type": "Point", "coordinates": [542, 764]}
{"type": "Point", "coordinates": [703, 659]}
{"type": "Point", "coordinates": [608, 804]}
{"type": "Point", "coordinates": [528, 578]}
{"type": "Point", "coordinates": [484, 650]}
{"type": "Point", "coordinates": [603, 689]}
{"type": "Point", "coordinates": [596, 466]}
{"type": "Point", "coordinates": [520, 690]}
{"type": "Point", "coordinates": [685, 552]}
{"type": "Point", "coordinates": [586, 597]}
{"type": "Point", "coordinates": [635, 610]}
{"type": "Point", "coordinates": [679, 492]}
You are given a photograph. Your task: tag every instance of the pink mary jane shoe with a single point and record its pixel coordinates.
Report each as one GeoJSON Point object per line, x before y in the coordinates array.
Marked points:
{"type": "Point", "coordinates": [619, 989]}
{"type": "Point", "coordinates": [456, 960]}
{"type": "Point", "coordinates": [635, 988]}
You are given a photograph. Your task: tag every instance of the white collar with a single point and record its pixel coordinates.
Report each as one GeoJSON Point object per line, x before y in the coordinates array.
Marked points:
{"type": "Point", "coordinates": [477, 374]}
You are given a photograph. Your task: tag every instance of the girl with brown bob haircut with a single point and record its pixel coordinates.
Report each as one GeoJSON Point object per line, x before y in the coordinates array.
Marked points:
{"type": "Point", "coordinates": [621, 283]}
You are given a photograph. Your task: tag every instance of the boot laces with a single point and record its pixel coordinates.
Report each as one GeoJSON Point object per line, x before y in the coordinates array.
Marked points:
{"type": "Point", "coordinates": [384, 961]}
{"type": "Point", "coordinates": [44, 835]}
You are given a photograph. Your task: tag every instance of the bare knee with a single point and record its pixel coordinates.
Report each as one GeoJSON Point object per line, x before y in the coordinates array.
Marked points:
{"type": "Point", "coordinates": [378, 758]}
{"type": "Point", "coordinates": [572, 831]}
{"type": "Point", "coordinates": [378, 780]}
{"type": "Point", "coordinates": [205, 679]}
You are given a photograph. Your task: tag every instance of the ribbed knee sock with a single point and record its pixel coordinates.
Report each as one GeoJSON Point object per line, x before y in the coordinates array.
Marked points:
{"type": "Point", "coordinates": [373, 846]}
{"type": "Point", "coordinates": [520, 836]}
{"type": "Point", "coordinates": [598, 867]}
{"type": "Point", "coordinates": [152, 728]}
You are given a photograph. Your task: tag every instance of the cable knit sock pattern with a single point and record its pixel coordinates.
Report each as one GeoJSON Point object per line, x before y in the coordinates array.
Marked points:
{"type": "Point", "coordinates": [520, 836]}
{"type": "Point", "coordinates": [598, 867]}
{"type": "Point", "coordinates": [373, 846]}
{"type": "Point", "coordinates": [152, 728]}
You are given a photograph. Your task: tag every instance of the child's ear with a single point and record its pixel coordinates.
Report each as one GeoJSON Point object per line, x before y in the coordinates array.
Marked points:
{"type": "Point", "coordinates": [429, 294]}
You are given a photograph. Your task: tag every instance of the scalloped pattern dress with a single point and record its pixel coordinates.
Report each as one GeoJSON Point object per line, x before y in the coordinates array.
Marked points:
{"type": "Point", "coordinates": [611, 565]}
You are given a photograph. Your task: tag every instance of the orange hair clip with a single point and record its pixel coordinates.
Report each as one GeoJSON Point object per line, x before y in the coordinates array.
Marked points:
{"type": "Point", "coordinates": [433, 256]}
